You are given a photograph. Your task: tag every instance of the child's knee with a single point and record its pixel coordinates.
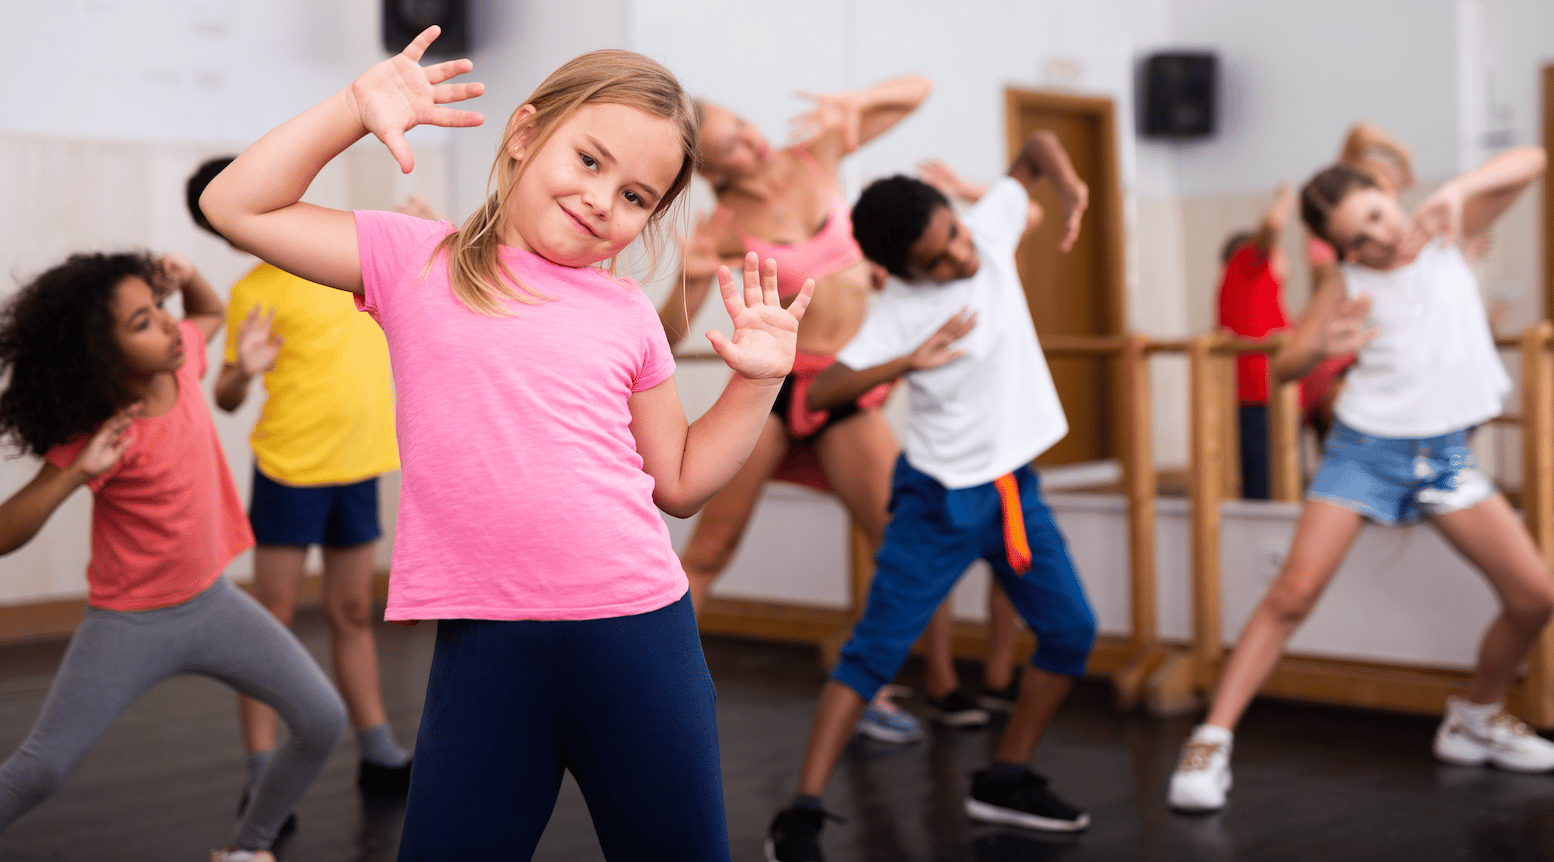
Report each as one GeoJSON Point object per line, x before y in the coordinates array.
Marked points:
{"type": "Point", "coordinates": [1066, 650]}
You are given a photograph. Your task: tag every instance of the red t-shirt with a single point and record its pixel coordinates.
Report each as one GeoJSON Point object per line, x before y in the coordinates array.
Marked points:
{"type": "Point", "coordinates": [1251, 306]}
{"type": "Point", "coordinates": [166, 519]}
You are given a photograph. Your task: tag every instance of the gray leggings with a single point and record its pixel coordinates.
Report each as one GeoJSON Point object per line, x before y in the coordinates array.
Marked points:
{"type": "Point", "coordinates": [115, 656]}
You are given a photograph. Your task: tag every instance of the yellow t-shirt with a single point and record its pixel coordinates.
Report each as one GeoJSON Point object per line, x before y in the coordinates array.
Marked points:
{"type": "Point", "coordinates": [329, 415]}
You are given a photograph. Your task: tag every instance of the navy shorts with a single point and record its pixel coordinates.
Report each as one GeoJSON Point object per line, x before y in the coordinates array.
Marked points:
{"type": "Point", "coordinates": [934, 535]}
{"type": "Point", "coordinates": [336, 516]}
{"type": "Point", "coordinates": [1396, 480]}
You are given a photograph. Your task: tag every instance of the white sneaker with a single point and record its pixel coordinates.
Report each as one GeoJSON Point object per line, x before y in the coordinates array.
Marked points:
{"type": "Point", "coordinates": [1500, 739]}
{"type": "Point", "coordinates": [1202, 776]}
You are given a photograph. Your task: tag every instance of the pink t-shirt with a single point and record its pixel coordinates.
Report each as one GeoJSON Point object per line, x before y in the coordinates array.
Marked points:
{"type": "Point", "coordinates": [522, 494]}
{"type": "Point", "coordinates": [166, 519]}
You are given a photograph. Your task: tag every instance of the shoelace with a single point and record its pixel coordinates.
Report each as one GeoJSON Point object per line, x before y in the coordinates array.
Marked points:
{"type": "Point", "coordinates": [1510, 723]}
{"type": "Point", "coordinates": [1197, 755]}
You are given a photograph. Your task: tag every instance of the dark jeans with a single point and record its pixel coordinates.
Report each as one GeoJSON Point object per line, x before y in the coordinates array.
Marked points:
{"type": "Point", "coordinates": [624, 703]}
{"type": "Point", "coordinates": [1254, 451]}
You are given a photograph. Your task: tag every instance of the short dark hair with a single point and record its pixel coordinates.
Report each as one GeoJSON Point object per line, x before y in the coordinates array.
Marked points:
{"type": "Point", "coordinates": [1233, 244]}
{"type": "Point", "coordinates": [890, 217]}
{"type": "Point", "coordinates": [58, 347]}
{"type": "Point", "coordinates": [196, 187]}
{"type": "Point", "coordinates": [1322, 193]}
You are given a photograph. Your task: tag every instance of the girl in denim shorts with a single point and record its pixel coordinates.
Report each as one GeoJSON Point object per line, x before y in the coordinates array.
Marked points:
{"type": "Point", "coordinates": [1427, 374]}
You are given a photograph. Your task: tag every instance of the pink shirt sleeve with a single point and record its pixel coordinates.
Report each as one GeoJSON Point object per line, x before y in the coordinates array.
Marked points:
{"type": "Point", "coordinates": [657, 356]}
{"type": "Point", "coordinates": [389, 245]}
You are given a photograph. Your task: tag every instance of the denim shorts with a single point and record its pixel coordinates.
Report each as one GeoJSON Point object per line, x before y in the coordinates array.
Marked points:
{"type": "Point", "coordinates": [1398, 480]}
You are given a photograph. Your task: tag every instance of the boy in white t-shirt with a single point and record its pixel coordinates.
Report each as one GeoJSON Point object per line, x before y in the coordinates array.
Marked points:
{"type": "Point", "coordinates": [954, 323]}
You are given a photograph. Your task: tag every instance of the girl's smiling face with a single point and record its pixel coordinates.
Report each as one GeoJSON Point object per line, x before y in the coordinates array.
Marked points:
{"type": "Point", "coordinates": [1368, 227]}
{"type": "Point", "coordinates": [590, 189]}
{"type": "Point", "coordinates": [147, 335]}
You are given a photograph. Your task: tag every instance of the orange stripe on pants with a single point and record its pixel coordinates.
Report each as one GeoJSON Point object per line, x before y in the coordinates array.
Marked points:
{"type": "Point", "coordinates": [1015, 543]}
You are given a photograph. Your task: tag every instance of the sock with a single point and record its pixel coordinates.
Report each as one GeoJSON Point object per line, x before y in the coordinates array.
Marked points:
{"type": "Point", "coordinates": [255, 763]}
{"type": "Point", "coordinates": [1476, 715]}
{"type": "Point", "coordinates": [1002, 772]}
{"type": "Point", "coordinates": [378, 747]}
{"type": "Point", "coordinates": [811, 803]}
{"type": "Point", "coordinates": [1213, 734]}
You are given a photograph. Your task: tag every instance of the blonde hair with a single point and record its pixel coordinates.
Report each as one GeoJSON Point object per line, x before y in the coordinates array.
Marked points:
{"type": "Point", "coordinates": [475, 267]}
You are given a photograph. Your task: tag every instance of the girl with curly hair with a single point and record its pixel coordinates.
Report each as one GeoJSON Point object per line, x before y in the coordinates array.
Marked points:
{"type": "Point", "coordinates": [105, 388]}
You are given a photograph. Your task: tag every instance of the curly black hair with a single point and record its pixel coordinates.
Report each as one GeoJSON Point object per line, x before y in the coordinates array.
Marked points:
{"type": "Point", "coordinates": [58, 347]}
{"type": "Point", "coordinates": [890, 217]}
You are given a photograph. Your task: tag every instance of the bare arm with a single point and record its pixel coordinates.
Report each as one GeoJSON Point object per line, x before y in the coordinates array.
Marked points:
{"type": "Point", "coordinates": [200, 302]}
{"type": "Point", "coordinates": [25, 513]}
{"type": "Point", "coordinates": [258, 347]}
{"type": "Point", "coordinates": [1332, 325]}
{"type": "Point", "coordinates": [256, 202]}
{"type": "Point", "coordinates": [1467, 205]}
{"type": "Point", "coordinates": [1266, 237]}
{"type": "Point", "coordinates": [690, 463]}
{"type": "Point", "coordinates": [1043, 156]}
{"type": "Point", "coordinates": [842, 122]}
{"type": "Point", "coordinates": [840, 384]}
{"type": "Point", "coordinates": [1376, 151]}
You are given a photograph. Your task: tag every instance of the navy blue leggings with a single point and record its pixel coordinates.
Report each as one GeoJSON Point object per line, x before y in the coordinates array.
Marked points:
{"type": "Point", "coordinates": [625, 703]}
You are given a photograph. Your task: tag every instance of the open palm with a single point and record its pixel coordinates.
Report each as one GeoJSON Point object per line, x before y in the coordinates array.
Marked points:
{"type": "Point", "coordinates": [399, 94]}
{"type": "Point", "coordinates": [764, 331]}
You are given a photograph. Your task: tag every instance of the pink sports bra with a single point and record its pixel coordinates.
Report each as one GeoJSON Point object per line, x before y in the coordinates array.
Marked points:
{"type": "Point", "coordinates": [831, 250]}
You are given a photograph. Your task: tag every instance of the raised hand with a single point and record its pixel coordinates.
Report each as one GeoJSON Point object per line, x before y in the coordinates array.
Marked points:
{"type": "Point", "coordinates": [257, 345]}
{"type": "Point", "coordinates": [949, 183]}
{"type": "Point", "coordinates": [937, 350]}
{"type": "Point", "coordinates": [764, 331]}
{"type": "Point", "coordinates": [110, 441]}
{"type": "Point", "coordinates": [1075, 197]}
{"type": "Point", "coordinates": [832, 111]}
{"type": "Point", "coordinates": [399, 94]}
{"type": "Point", "coordinates": [172, 273]}
{"type": "Point", "coordinates": [1346, 331]}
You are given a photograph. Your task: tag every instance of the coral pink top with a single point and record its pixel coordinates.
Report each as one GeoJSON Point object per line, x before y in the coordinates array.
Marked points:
{"type": "Point", "coordinates": [522, 494]}
{"type": "Point", "coordinates": [166, 519]}
{"type": "Point", "coordinates": [830, 251]}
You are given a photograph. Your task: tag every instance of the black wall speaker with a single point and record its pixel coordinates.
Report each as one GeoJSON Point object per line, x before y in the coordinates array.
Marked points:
{"type": "Point", "coordinates": [1179, 94]}
{"type": "Point", "coordinates": [404, 20]}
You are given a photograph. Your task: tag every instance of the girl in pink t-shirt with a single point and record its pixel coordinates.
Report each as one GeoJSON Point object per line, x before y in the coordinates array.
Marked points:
{"type": "Point", "coordinates": [105, 387]}
{"type": "Point", "coordinates": [539, 432]}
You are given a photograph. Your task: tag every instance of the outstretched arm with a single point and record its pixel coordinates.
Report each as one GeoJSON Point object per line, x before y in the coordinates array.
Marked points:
{"type": "Point", "coordinates": [1332, 325]}
{"type": "Point", "coordinates": [1043, 156]}
{"type": "Point", "coordinates": [1376, 151]}
{"type": "Point", "coordinates": [689, 463]}
{"type": "Point", "coordinates": [25, 513]}
{"type": "Point", "coordinates": [256, 202]}
{"type": "Point", "coordinates": [842, 122]}
{"type": "Point", "coordinates": [840, 384]}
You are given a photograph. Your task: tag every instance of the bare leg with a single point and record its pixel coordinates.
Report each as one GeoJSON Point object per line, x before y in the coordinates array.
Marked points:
{"type": "Point", "coordinates": [1040, 696]}
{"type": "Point", "coordinates": [348, 605]}
{"type": "Point", "coordinates": [1002, 631]}
{"type": "Point", "coordinates": [724, 518]}
{"type": "Point", "coordinates": [939, 650]}
{"type": "Point", "coordinates": [277, 579]}
{"type": "Point", "coordinates": [1491, 536]}
{"type": "Point", "coordinates": [1322, 538]}
{"type": "Point", "coordinates": [835, 717]}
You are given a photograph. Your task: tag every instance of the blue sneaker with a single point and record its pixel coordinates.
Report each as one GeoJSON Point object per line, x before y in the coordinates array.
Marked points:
{"type": "Point", "coordinates": [886, 722]}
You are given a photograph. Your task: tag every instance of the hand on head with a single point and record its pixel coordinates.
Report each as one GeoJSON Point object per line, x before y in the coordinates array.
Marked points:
{"type": "Point", "coordinates": [399, 94]}
{"type": "Point", "coordinates": [937, 350]}
{"type": "Point", "coordinates": [172, 273]}
{"type": "Point", "coordinates": [839, 111]}
{"type": "Point", "coordinates": [1438, 217]}
{"type": "Point", "coordinates": [764, 331]}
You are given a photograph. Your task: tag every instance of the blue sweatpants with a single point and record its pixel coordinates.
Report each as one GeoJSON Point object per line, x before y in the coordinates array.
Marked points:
{"type": "Point", "coordinates": [624, 703]}
{"type": "Point", "coordinates": [935, 534]}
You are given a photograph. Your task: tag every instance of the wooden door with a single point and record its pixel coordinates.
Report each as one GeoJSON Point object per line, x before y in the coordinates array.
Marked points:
{"type": "Point", "coordinates": [1548, 196]}
{"type": "Point", "coordinates": [1080, 292]}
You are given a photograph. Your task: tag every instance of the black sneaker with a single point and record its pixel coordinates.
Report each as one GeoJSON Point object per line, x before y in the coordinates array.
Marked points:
{"type": "Point", "coordinates": [1001, 699]}
{"type": "Point", "coordinates": [794, 835]}
{"type": "Point", "coordinates": [956, 710]}
{"type": "Point", "coordinates": [383, 780]}
{"type": "Point", "coordinates": [1025, 801]}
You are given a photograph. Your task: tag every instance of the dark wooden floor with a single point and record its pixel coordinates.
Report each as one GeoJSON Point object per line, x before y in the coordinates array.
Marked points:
{"type": "Point", "coordinates": [1311, 783]}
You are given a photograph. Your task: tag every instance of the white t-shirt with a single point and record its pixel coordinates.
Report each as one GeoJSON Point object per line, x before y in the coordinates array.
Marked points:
{"type": "Point", "coordinates": [995, 408]}
{"type": "Point", "coordinates": [1433, 368]}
